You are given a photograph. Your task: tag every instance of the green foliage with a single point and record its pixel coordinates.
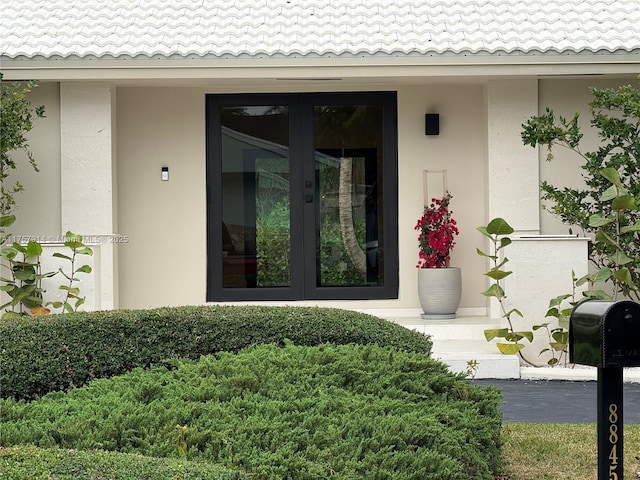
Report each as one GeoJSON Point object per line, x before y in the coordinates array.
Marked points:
{"type": "Point", "coordinates": [181, 439]}
{"type": "Point", "coordinates": [607, 208]}
{"type": "Point", "coordinates": [21, 463]}
{"type": "Point", "coordinates": [24, 286]}
{"type": "Point", "coordinates": [336, 268]}
{"type": "Point", "coordinates": [558, 335]}
{"type": "Point", "coordinates": [16, 121]}
{"type": "Point", "coordinates": [273, 245]}
{"type": "Point", "coordinates": [496, 232]}
{"type": "Point", "coordinates": [472, 369]}
{"type": "Point", "coordinates": [72, 300]}
{"type": "Point", "coordinates": [60, 352]}
{"type": "Point", "coordinates": [343, 412]}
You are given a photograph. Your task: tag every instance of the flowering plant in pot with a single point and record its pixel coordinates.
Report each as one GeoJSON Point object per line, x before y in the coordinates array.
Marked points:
{"type": "Point", "coordinates": [437, 230]}
{"type": "Point", "coordinates": [439, 285]}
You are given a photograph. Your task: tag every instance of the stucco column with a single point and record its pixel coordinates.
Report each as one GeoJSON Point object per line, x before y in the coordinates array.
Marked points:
{"type": "Point", "coordinates": [87, 147]}
{"type": "Point", "coordinates": [513, 172]}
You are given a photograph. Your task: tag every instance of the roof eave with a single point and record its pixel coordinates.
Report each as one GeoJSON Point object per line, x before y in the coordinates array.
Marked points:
{"type": "Point", "coordinates": [301, 68]}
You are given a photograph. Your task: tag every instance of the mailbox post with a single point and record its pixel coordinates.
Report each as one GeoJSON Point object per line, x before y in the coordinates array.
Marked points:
{"type": "Point", "coordinates": [606, 335]}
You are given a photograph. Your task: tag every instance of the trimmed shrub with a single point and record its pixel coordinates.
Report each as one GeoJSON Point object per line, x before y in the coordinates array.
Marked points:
{"type": "Point", "coordinates": [345, 412]}
{"type": "Point", "coordinates": [60, 352]}
{"type": "Point", "coordinates": [20, 463]}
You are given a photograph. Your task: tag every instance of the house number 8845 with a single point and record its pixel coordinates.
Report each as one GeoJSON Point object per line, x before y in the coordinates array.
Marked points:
{"type": "Point", "coordinates": [613, 440]}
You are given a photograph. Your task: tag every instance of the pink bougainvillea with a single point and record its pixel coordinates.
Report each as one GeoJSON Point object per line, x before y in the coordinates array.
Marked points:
{"type": "Point", "coordinates": [437, 234]}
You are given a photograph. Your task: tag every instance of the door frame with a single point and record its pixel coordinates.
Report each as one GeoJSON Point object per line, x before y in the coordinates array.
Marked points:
{"type": "Point", "coordinates": [301, 146]}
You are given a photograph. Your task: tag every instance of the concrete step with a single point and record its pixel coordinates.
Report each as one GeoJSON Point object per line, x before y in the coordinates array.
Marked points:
{"type": "Point", "coordinates": [460, 354]}
{"type": "Point", "coordinates": [463, 347]}
{"type": "Point", "coordinates": [461, 328]}
{"type": "Point", "coordinates": [459, 341]}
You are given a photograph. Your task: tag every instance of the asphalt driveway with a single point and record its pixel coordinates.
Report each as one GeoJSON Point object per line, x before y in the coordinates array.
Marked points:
{"type": "Point", "coordinates": [556, 401]}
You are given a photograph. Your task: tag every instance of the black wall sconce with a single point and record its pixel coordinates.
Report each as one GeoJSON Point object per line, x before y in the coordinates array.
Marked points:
{"type": "Point", "coordinates": [432, 124]}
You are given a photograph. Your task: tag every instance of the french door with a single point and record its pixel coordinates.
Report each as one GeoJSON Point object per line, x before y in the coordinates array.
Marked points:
{"type": "Point", "coordinates": [302, 196]}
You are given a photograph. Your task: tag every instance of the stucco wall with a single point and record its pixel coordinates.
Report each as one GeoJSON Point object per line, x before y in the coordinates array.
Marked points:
{"type": "Point", "coordinates": [164, 260]}
{"type": "Point", "coordinates": [566, 97]}
{"type": "Point", "coordinates": [38, 213]}
{"type": "Point", "coordinates": [460, 149]}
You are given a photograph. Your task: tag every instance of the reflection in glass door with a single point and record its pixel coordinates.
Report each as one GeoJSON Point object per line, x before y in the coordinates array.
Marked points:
{"type": "Point", "coordinates": [302, 196]}
{"type": "Point", "coordinates": [348, 141]}
{"type": "Point", "coordinates": [255, 197]}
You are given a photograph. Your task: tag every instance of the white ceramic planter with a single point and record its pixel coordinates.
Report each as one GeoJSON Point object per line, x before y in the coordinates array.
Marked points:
{"type": "Point", "coordinates": [440, 291]}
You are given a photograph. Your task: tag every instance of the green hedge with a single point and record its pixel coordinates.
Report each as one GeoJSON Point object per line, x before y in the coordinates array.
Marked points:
{"type": "Point", "coordinates": [61, 352]}
{"type": "Point", "coordinates": [21, 463]}
{"type": "Point", "coordinates": [343, 412]}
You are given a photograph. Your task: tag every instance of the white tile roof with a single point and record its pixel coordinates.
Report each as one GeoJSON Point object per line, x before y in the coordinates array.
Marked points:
{"type": "Point", "coordinates": [255, 28]}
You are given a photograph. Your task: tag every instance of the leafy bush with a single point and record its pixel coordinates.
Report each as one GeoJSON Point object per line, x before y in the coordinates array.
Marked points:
{"type": "Point", "coordinates": [344, 412]}
{"type": "Point", "coordinates": [336, 267]}
{"type": "Point", "coordinates": [60, 352]}
{"type": "Point", "coordinates": [19, 463]}
{"type": "Point", "coordinates": [273, 246]}
{"type": "Point", "coordinates": [607, 206]}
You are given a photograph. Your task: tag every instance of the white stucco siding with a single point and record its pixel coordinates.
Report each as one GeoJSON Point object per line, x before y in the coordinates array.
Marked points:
{"type": "Point", "coordinates": [513, 177]}
{"type": "Point", "coordinates": [542, 269]}
{"type": "Point", "coordinates": [87, 158]}
{"type": "Point", "coordinates": [88, 161]}
{"type": "Point", "coordinates": [164, 260]}
{"type": "Point", "coordinates": [460, 149]}
{"type": "Point", "coordinates": [38, 206]}
{"type": "Point", "coordinates": [73, 147]}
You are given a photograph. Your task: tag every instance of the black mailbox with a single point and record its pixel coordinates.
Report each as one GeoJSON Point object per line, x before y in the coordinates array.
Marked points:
{"type": "Point", "coordinates": [605, 334]}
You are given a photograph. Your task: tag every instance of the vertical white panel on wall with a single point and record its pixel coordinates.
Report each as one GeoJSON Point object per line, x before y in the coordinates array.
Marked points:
{"type": "Point", "coordinates": [513, 172]}
{"type": "Point", "coordinates": [435, 184]}
{"type": "Point", "coordinates": [87, 163]}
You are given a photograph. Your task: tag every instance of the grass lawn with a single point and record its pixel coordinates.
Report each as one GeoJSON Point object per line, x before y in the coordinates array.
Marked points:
{"type": "Point", "coordinates": [562, 451]}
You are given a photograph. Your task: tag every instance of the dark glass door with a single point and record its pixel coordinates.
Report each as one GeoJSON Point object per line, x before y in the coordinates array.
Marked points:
{"type": "Point", "coordinates": [302, 196]}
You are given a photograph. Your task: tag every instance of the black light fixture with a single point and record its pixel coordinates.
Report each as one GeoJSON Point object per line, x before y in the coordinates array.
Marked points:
{"type": "Point", "coordinates": [432, 124]}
